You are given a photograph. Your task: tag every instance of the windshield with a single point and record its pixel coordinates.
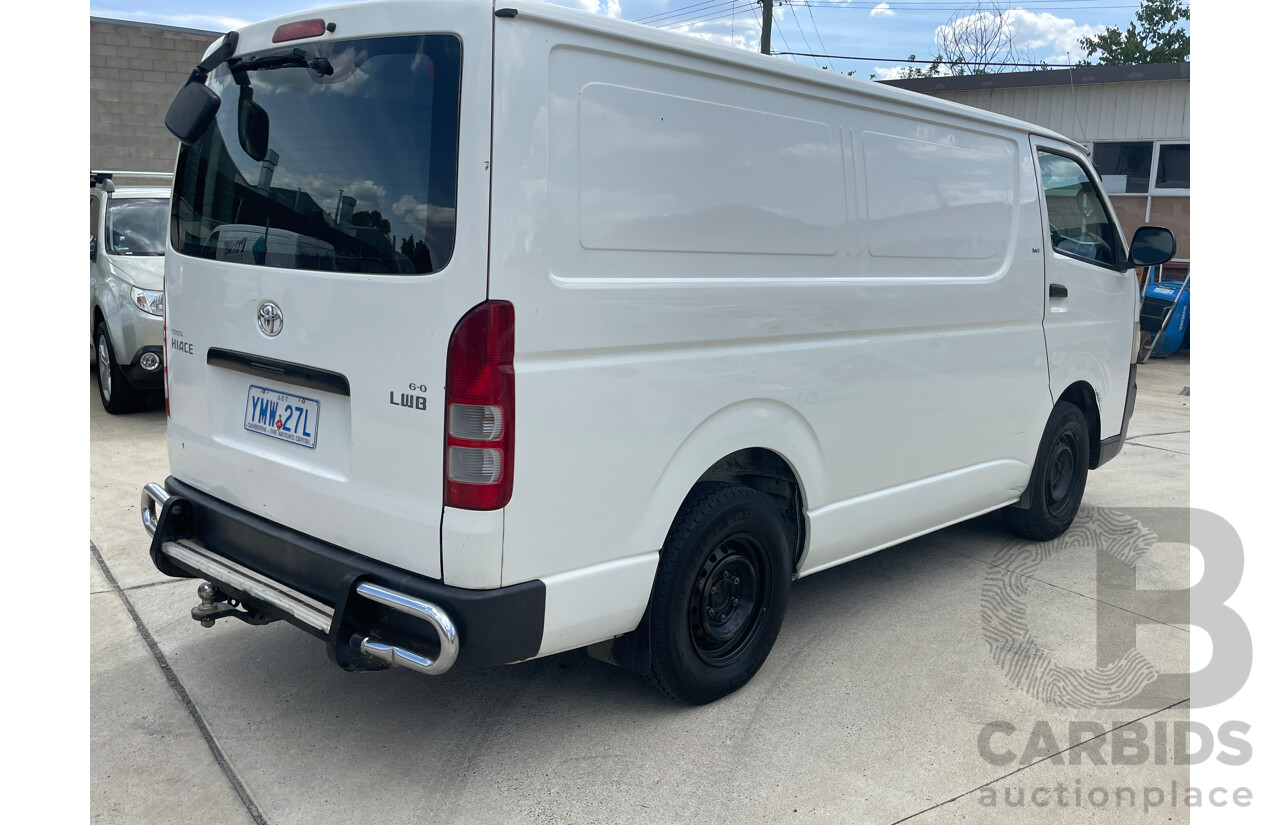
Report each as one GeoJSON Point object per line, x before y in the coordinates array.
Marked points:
{"type": "Point", "coordinates": [359, 172]}
{"type": "Point", "coordinates": [136, 226]}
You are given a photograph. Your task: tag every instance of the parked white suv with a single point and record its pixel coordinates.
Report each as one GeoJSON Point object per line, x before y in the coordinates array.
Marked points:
{"type": "Point", "coordinates": [127, 228]}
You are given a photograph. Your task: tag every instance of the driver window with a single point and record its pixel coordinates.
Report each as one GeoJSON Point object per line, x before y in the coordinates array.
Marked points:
{"type": "Point", "coordinates": [1078, 221]}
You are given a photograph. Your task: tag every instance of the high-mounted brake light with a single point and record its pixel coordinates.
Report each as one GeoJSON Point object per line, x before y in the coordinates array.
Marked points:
{"type": "Point", "coordinates": [480, 399]}
{"type": "Point", "coordinates": [301, 30]}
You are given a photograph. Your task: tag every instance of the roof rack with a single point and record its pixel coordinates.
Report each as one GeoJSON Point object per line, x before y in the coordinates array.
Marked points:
{"type": "Point", "coordinates": [103, 178]}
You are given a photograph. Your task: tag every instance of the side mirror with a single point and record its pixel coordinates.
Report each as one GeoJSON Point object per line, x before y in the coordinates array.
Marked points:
{"type": "Point", "coordinates": [252, 125]}
{"type": "Point", "coordinates": [93, 248]}
{"type": "Point", "coordinates": [191, 111]}
{"type": "Point", "coordinates": [1152, 246]}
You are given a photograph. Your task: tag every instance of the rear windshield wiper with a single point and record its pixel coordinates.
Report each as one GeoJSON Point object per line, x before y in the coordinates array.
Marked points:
{"type": "Point", "coordinates": [298, 59]}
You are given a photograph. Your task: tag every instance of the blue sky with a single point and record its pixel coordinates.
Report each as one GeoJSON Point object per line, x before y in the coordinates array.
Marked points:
{"type": "Point", "coordinates": [888, 30]}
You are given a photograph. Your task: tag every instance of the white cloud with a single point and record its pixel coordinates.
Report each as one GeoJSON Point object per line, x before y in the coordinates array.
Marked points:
{"type": "Point", "coordinates": [899, 72]}
{"type": "Point", "coordinates": [883, 10]}
{"type": "Point", "coordinates": [739, 34]}
{"type": "Point", "coordinates": [1061, 35]}
{"type": "Point", "coordinates": [368, 194]}
{"type": "Point", "coordinates": [1035, 33]}
{"type": "Point", "coordinates": [422, 214]}
{"type": "Point", "coordinates": [610, 8]}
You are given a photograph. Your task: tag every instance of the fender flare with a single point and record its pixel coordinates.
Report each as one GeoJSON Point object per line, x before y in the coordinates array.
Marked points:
{"type": "Point", "coordinates": [753, 423]}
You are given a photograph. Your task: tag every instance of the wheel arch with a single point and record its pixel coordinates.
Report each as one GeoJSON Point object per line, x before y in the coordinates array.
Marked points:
{"type": "Point", "coordinates": [760, 443]}
{"type": "Point", "coordinates": [1083, 395]}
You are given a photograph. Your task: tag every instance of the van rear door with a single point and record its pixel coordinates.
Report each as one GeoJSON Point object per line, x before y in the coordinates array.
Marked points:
{"type": "Point", "coordinates": [316, 284]}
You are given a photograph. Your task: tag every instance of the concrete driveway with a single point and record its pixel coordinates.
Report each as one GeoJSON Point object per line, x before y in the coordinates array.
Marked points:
{"type": "Point", "coordinates": [943, 680]}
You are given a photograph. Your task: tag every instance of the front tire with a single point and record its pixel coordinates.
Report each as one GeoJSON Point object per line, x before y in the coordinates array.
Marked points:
{"type": "Point", "coordinates": [114, 390]}
{"type": "Point", "coordinates": [1058, 478]}
{"type": "Point", "coordinates": [720, 593]}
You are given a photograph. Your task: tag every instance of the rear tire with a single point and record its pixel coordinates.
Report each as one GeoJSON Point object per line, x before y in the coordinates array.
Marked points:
{"type": "Point", "coordinates": [1058, 478]}
{"type": "Point", "coordinates": [720, 593]}
{"type": "Point", "coordinates": [114, 390]}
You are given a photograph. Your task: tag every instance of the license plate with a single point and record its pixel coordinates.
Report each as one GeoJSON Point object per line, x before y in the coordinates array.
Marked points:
{"type": "Point", "coordinates": [282, 415]}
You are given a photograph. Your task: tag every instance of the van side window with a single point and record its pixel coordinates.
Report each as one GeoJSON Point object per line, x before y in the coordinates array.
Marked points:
{"type": "Point", "coordinates": [1079, 225]}
{"type": "Point", "coordinates": [93, 216]}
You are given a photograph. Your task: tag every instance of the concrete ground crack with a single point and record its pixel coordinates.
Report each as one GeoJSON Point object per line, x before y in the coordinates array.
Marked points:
{"type": "Point", "coordinates": [1038, 761]}
{"type": "Point", "coordinates": [1058, 587]}
{"type": "Point", "coordinates": [1154, 447]}
{"type": "Point", "coordinates": [174, 682]}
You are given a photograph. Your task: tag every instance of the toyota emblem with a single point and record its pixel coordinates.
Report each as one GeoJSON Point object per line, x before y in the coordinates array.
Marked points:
{"type": "Point", "coordinates": [270, 319]}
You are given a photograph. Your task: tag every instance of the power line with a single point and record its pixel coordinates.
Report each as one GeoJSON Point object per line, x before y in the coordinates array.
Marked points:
{"type": "Point", "coordinates": [928, 62]}
{"type": "Point", "coordinates": [1057, 6]}
{"type": "Point", "coordinates": [677, 11]}
{"type": "Point", "coordinates": [869, 5]}
{"type": "Point", "coordinates": [804, 36]}
{"type": "Point", "coordinates": [816, 30]}
{"type": "Point", "coordinates": [690, 14]}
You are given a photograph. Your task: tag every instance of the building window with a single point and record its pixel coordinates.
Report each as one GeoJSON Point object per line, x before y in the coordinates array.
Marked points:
{"type": "Point", "coordinates": [1174, 168]}
{"type": "Point", "coordinates": [1127, 167]}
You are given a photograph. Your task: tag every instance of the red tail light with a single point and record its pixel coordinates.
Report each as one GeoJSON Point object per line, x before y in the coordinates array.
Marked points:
{"type": "Point", "coordinates": [480, 407]}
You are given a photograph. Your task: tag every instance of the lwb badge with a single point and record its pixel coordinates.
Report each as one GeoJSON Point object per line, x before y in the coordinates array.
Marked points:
{"type": "Point", "coordinates": [270, 319]}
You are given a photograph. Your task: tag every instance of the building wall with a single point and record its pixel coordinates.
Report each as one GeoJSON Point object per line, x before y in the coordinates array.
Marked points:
{"type": "Point", "coordinates": [1147, 110]}
{"type": "Point", "coordinates": [135, 70]}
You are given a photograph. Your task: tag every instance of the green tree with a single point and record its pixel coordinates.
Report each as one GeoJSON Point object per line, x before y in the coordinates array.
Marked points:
{"type": "Point", "coordinates": [1157, 36]}
{"type": "Point", "coordinates": [417, 252]}
{"type": "Point", "coordinates": [935, 68]}
{"type": "Point", "coordinates": [373, 219]}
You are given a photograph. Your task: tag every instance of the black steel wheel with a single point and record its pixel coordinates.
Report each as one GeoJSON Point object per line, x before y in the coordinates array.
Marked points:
{"type": "Point", "coordinates": [1057, 479]}
{"type": "Point", "coordinates": [720, 593]}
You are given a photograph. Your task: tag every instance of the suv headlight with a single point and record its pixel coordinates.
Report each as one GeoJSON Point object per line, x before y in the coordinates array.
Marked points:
{"type": "Point", "coordinates": [147, 300]}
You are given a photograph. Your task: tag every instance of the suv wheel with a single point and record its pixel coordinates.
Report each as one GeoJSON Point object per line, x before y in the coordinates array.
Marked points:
{"type": "Point", "coordinates": [114, 390]}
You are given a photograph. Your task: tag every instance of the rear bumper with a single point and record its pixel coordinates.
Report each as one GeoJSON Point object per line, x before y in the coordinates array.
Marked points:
{"type": "Point", "coordinates": [1109, 448]}
{"type": "Point", "coordinates": [341, 597]}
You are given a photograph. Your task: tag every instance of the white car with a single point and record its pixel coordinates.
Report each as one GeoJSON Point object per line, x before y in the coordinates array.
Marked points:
{"type": "Point", "coordinates": [127, 229]}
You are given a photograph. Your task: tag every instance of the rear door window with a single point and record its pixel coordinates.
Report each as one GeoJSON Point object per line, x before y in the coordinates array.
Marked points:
{"type": "Point", "coordinates": [360, 168]}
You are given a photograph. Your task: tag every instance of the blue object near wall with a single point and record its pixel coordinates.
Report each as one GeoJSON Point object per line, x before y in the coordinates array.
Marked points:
{"type": "Point", "coordinates": [1156, 299]}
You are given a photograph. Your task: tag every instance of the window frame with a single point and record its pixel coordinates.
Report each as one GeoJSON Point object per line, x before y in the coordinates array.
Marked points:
{"type": "Point", "coordinates": [1156, 146]}
{"type": "Point", "coordinates": [1121, 252]}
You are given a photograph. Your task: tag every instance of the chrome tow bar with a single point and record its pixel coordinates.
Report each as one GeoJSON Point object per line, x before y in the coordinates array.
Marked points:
{"type": "Point", "coordinates": [419, 609]}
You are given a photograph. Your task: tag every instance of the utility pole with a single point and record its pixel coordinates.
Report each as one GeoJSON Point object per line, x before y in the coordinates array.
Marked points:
{"type": "Point", "coordinates": [766, 28]}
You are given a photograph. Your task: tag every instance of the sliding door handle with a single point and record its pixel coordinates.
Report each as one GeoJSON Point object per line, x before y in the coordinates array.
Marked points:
{"type": "Point", "coordinates": [1057, 291]}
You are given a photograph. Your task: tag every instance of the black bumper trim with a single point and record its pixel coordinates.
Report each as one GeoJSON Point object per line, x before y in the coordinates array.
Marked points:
{"type": "Point", "coordinates": [145, 379]}
{"type": "Point", "coordinates": [1109, 448]}
{"type": "Point", "coordinates": [494, 626]}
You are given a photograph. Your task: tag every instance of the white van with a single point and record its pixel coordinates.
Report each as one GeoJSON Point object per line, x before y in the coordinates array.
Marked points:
{"type": "Point", "coordinates": [621, 333]}
{"type": "Point", "coordinates": [270, 247]}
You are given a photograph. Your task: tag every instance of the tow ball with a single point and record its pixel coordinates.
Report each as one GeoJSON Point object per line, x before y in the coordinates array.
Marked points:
{"type": "Point", "coordinates": [214, 605]}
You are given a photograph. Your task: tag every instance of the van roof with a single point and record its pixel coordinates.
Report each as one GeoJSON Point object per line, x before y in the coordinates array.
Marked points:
{"type": "Point", "coordinates": [833, 80]}
{"type": "Point", "coordinates": [836, 81]}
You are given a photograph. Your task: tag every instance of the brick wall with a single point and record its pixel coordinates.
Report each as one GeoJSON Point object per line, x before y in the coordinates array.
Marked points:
{"type": "Point", "coordinates": [135, 69]}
